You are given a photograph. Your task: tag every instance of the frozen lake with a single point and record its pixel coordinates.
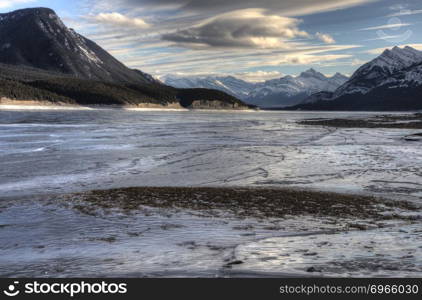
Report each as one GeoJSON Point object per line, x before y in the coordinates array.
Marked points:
{"type": "Point", "coordinates": [54, 152]}
{"type": "Point", "coordinates": [62, 151]}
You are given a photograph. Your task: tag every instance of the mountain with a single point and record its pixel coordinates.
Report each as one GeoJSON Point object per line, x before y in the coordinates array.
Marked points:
{"type": "Point", "coordinates": [229, 84]}
{"type": "Point", "coordinates": [291, 90]}
{"type": "Point", "coordinates": [392, 81]}
{"type": "Point", "coordinates": [41, 59]}
{"type": "Point", "coordinates": [38, 38]}
{"type": "Point", "coordinates": [380, 71]}
{"type": "Point", "coordinates": [280, 92]}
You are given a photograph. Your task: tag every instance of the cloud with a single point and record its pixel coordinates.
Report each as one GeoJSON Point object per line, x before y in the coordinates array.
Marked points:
{"type": "Point", "coordinates": [10, 3]}
{"type": "Point", "coordinates": [378, 51]}
{"type": "Point", "coordinates": [357, 62]}
{"type": "Point", "coordinates": [406, 12]}
{"type": "Point", "coordinates": [231, 61]}
{"type": "Point", "coordinates": [386, 38]}
{"type": "Point", "coordinates": [240, 29]}
{"type": "Point", "coordinates": [326, 38]}
{"type": "Point", "coordinates": [286, 7]}
{"type": "Point", "coordinates": [119, 20]}
{"type": "Point", "coordinates": [219, 36]}
{"type": "Point", "coordinates": [258, 76]}
{"type": "Point", "coordinates": [387, 26]}
{"type": "Point", "coordinates": [306, 59]}
{"type": "Point", "coordinates": [400, 6]}
{"type": "Point", "coordinates": [245, 64]}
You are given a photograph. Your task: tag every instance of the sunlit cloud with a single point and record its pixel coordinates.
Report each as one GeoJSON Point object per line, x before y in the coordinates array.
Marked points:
{"type": "Point", "coordinates": [326, 38]}
{"type": "Point", "coordinates": [387, 26]}
{"type": "Point", "coordinates": [119, 20]}
{"type": "Point", "coordinates": [259, 76]}
{"type": "Point", "coordinates": [212, 37]}
{"type": "Point", "coordinates": [285, 7]}
{"type": "Point", "coordinates": [307, 59]}
{"type": "Point", "coordinates": [11, 3]}
{"type": "Point", "coordinates": [406, 12]}
{"type": "Point", "coordinates": [378, 51]}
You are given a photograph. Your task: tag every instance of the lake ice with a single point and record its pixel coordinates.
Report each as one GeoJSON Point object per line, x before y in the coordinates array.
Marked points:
{"type": "Point", "coordinates": [55, 152]}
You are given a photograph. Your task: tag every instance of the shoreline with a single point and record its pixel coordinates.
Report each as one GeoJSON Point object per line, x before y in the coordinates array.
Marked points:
{"type": "Point", "coordinates": [9, 104]}
{"type": "Point", "coordinates": [71, 107]}
{"type": "Point", "coordinates": [44, 106]}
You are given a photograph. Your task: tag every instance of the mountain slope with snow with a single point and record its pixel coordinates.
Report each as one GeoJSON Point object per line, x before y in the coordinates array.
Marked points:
{"type": "Point", "coordinates": [392, 81]}
{"type": "Point", "coordinates": [36, 37]}
{"type": "Point", "coordinates": [42, 60]}
{"type": "Point", "coordinates": [229, 84]}
{"type": "Point", "coordinates": [291, 90]}
{"type": "Point", "coordinates": [380, 70]}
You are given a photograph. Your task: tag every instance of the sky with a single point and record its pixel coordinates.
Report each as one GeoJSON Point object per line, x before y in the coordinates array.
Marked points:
{"type": "Point", "coordinates": [254, 40]}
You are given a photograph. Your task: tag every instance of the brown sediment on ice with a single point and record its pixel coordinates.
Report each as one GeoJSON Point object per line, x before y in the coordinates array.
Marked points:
{"type": "Point", "coordinates": [413, 121]}
{"type": "Point", "coordinates": [243, 202]}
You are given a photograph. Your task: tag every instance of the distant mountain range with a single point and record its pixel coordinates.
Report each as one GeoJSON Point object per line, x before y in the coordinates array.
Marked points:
{"type": "Point", "coordinates": [228, 84]}
{"type": "Point", "coordinates": [282, 92]}
{"type": "Point", "coordinates": [42, 59]}
{"type": "Point", "coordinates": [290, 90]}
{"type": "Point", "coordinates": [392, 81]}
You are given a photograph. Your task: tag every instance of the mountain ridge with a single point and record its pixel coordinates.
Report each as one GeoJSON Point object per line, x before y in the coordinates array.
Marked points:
{"type": "Point", "coordinates": [391, 81]}
{"type": "Point", "coordinates": [50, 45]}
{"type": "Point", "coordinates": [275, 92]}
{"type": "Point", "coordinates": [291, 90]}
{"type": "Point", "coordinates": [43, 60]}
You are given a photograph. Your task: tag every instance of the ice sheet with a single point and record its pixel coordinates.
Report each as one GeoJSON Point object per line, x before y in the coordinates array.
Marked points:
{"type": "Point", "coordinates": [62, 151]}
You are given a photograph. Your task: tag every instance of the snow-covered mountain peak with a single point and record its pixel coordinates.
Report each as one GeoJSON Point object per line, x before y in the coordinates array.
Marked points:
{"type": "Point", "coordinates": [380, 70]}
{"type": "Point", "coordinates": [397, 58]}
{"type": "Point", "coordinates": [291, 90]}
{"type": "Point", "coordinates": [312, 73]}
{"type": "Point", "coordinates": [37, 38]}
{"type": "Point", "coordinates": [229, 84]}
{"type": "Point", "coordinates": [396, 66]}
{"type": "Point", "coordinates": [275, 92]}
{"type": "Point", "coordinates": [338, 76]}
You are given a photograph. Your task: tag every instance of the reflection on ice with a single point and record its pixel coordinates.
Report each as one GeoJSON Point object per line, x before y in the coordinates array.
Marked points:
{"type": "Point", "coordinates": [390, 252]}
